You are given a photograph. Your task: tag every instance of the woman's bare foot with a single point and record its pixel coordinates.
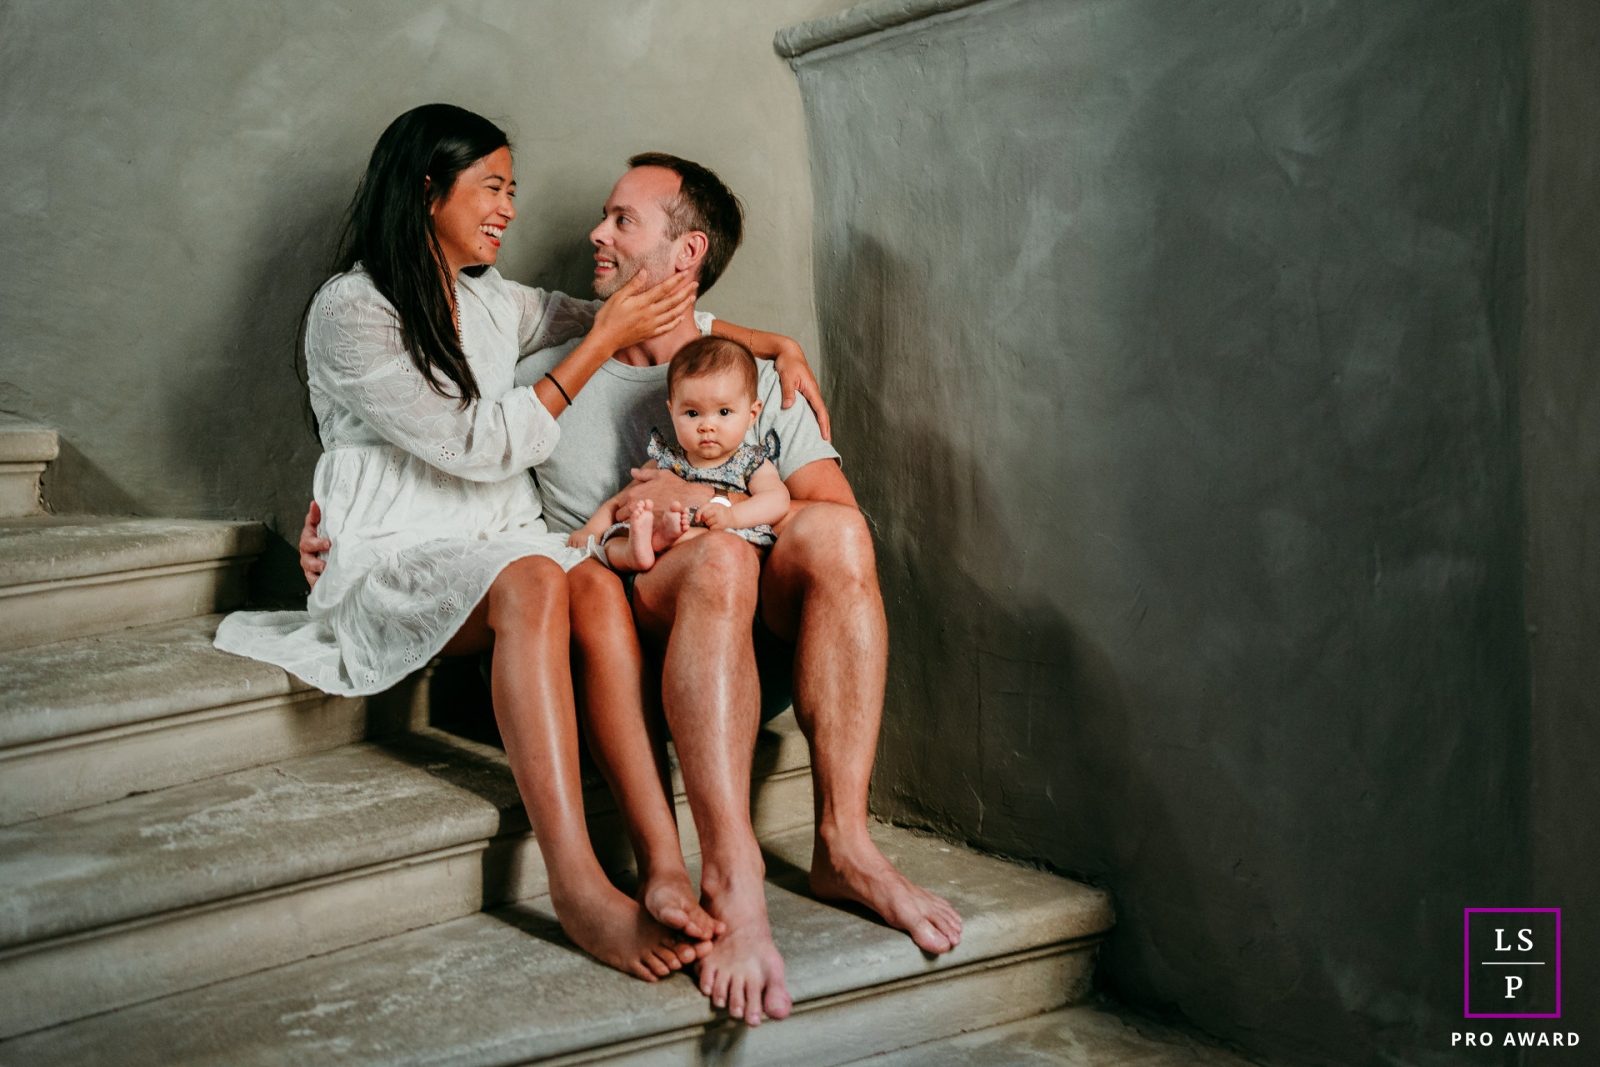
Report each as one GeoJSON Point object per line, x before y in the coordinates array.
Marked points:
{"type": "Point", "coordinates": [669, 897]}
{"type": "Point", "coordinates": [743, 972]}
{"type": "Point", "coordinates": [639, 553]}
{"type": "Point", "coordinates": [852, 868]}
{"type": "Point", "coordinates": [618, 931]}
{"type": "Point", "coordinates": [671, 527]}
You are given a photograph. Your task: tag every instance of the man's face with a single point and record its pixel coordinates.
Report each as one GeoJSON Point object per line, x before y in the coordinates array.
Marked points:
{"type": "Point", "coordinates": [632, 235]}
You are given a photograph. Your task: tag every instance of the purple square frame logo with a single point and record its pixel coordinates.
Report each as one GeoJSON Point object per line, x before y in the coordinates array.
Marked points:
{"type": "Point", "coordinates": [1523, 984]}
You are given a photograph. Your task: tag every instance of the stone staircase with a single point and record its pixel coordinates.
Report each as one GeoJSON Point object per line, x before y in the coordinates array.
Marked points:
{"type": "Point", "coordinates": [204, 861]}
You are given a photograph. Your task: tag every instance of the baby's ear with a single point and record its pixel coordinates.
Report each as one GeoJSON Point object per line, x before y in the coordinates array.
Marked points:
{"type": "Point", "coordinates": [755, 409]}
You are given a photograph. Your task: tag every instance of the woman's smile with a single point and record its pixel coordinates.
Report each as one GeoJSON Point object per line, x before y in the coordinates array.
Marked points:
{"type": "Point", "coordinates": [471, 220]}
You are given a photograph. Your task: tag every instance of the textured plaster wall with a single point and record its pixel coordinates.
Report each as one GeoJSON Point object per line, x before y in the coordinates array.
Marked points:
{"type": "Point", "coordinates": [1174, 352]}
{"type": "Point", "coordinates": [174, 174]}
{"type": "Point", "coordinates": [1561, 463]}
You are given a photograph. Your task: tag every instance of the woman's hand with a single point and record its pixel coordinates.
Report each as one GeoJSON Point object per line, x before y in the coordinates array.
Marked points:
{"type": "Point", "coordinates": [635, 313]}
{"type": "Point", "coordinates": [311, 563]}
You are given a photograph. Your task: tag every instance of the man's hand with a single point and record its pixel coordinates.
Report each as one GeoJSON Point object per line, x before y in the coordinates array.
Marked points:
{"type": "Point", "coordinates": [788, 359]}
{"type": "Point", "coordinates": [662, 488]}
{"type": "Point", "coordinates": [311, 563]}
{"type": "Point", "coordinates": [794, 376]}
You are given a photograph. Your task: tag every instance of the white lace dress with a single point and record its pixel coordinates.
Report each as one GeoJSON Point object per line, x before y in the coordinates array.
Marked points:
{"type": "Point", "coordinates": [425, 501]}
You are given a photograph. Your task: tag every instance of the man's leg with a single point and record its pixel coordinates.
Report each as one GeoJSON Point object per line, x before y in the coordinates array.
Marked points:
{"type": "Point", "coordinates": [819, 589]}
{"type": "Point", "coordinates": [700, 600]}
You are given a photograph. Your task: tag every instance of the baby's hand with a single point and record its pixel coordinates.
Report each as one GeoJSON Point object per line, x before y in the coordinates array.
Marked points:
{"type": "Point", "coordinates": [714, 516]}
{"type": "Point", "coordinates": [580, 536]}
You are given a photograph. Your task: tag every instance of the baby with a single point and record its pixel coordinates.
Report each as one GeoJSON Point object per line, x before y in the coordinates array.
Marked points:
{"type": "Point", "coordinates": [711, 393]}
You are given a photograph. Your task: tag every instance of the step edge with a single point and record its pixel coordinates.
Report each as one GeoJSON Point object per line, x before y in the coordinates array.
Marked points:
{"type": "Point", "coordinates": [223, 679]}
{"type": "Point", "coordinates": [507, 823]}
{"type": "Point", "coordinates": [244, 539]}
{"type": "Point", "coordinates": [117, 577]}
{"type": "Point", "coordinates": [601, 1052]}
{"type": "Point", "coordinates": [27, 442]}
{"type": "Point", "coordinates": [158, 721]}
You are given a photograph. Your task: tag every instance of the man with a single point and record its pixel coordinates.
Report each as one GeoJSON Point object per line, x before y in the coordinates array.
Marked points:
{"type": "Point", "coordinates": [815, 600]}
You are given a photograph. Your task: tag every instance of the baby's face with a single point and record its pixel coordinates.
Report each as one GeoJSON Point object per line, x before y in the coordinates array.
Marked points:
{"type": "Point", "coordinates": [711, 416]}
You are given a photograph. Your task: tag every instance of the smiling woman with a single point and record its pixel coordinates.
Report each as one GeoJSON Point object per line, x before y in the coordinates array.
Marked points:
{"type": "Point", "coordinates": [439, 541]}
{"type": "Point", "coordinates": [471, 220]}
{"type": "Point", "coordinates": [423, 159]}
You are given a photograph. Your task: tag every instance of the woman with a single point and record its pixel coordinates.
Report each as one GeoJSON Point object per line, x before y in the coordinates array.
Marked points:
{"type": "Point", "coordinates": [440, 547]}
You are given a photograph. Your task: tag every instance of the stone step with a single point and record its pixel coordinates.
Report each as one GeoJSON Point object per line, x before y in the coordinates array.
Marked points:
{"type": "Point", "coordinates": [66, 577]}
{"type": "Point", "coordinates": [25, 451]}
{"type": "Point", "coordinates": [172, 890]}
{"type": "Point", "coordinates": [506, 987]}
{"type": "Point", "coordinates": [1085, 1035]}
{"type": "Point", "coordinates": [131, 711]}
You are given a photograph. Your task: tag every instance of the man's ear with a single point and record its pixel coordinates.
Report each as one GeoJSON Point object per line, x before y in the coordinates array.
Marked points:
{"type": "Point", "coordinates": [692, 250]}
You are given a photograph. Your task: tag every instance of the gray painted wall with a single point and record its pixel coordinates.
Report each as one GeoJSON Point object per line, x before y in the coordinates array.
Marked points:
{"type": "Point", "coordinates": [174, 176]}
{"type": "Point", "coordinates": [1174, 353]}
{"type": "Point", "coordinates": [1561, 464]}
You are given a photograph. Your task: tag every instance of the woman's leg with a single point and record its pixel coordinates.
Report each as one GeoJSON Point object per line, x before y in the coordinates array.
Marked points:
{"type": "Point", "coordinates": [525, 618]}
{"type": "Point", "coordinates": [628, 745]}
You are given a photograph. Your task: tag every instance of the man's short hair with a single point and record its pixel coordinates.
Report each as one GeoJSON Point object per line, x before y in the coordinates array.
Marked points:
{"type": "Point", "coordinates": [705, 356]}
{"type": "Point", "coordinates": [703, 203]}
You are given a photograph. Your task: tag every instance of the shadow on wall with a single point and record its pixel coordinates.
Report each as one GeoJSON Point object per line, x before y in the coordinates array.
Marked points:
{"type": "Point", "coordinates": [246, 399]}
{"type": "Point", "coordinates": [1025, 714]}
{"type": "Point", "coordinates": [1174, 357]}
{"type": "Point", "coordinates": [566, 263]}
{"type": "Point", "coordinates": [73, 485]}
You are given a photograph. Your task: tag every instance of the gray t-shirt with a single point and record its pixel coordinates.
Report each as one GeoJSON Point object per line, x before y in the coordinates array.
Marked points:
{"type": "Point", "coordinates": [605, 431]}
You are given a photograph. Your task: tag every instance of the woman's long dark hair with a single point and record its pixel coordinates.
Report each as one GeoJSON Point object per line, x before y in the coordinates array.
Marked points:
{"type": "Point", "coordinates": [389, 231]}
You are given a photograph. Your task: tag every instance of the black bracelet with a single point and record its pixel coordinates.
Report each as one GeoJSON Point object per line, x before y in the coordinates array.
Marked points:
{"type": "Point", "coordinates": [560, 390]}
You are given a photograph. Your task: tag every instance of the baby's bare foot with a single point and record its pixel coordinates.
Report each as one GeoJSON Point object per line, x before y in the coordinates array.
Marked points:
{"type": "Point", "coordinates": [641, 556]}
{"type": "Point", "coordinates": [671, 527]}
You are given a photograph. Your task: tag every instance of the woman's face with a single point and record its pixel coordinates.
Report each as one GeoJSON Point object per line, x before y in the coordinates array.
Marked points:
{"type": "Point", "coordinates": [473, 216]}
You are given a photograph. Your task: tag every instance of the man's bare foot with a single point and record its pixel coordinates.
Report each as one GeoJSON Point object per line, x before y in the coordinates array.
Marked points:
{"type": "Point", "coordinates": [743, 972]}
{"type": "Point", "coordinates": [639, 553]}
{"type": "Point", "coordinates": [670, 898]}
{"type": "Point", "coordinates": [618, 931]}
{"type": "Point", "coordinates": [852, 868]}
{"type": "Point", "coordinates": [671, 527]}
